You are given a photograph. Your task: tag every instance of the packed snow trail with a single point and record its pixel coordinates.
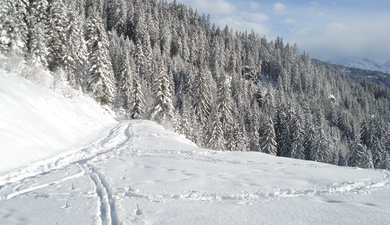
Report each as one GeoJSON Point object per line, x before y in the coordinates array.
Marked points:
{"type": "Point", "coordinates": [140, 173]}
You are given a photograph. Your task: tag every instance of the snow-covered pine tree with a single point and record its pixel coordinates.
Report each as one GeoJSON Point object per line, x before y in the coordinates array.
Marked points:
{"type": "Point", "coordinates": [202, 97]}
{"type": "Point", "coordinates": [77, 50]}
{"type": "Point", "coordinates": [138, 109]}
{"type": "Point", "coordinates": [37, 43]}
{"type": "Point", "coordinates": [224, 110]}
{"type": "Point", "coordinates": [163, 110]}
{"type": "Point", "coordinates": [140, 60]}
{"type": "Point", "coordinates": [297, 136]}
{"type": "Point", "coordinates": [100, 80]}
{"type": "Point", "coordinates": [238, 135]}
{"type": "Point", "coordinates": [359, 155]}
{"type": "Point", "coordinates": [373, 135]}
{"type": "Point", "coordinates": [58, 56]}
{"type": "Point", "coordinates": [125, 79]}
{"type": "Point", "coordinates": [215, 135]}
{"type": "Point", "coordinates": [267, 136]}
{"type": "Point", "coordinates": [5, 24]}
{"type": "Point", "coordinates": [267, 131]}
{"type": "Point", "coordinates": [321, 150]}
{"type": "Point", "coordinates": [13, 26]}
{"type": "Point", "coordinates": [282, 125]}
{"type": "Point", "coordinates": [187, 126]}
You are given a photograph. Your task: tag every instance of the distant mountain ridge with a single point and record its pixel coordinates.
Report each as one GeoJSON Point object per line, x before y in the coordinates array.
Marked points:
{"type": "Point", "coordinates": [366, 64]}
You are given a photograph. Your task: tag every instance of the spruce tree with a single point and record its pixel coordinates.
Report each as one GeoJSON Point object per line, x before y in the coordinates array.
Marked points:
{"type": "Point", "coordinates": [202, 97]}
{"type": "Point", "coordinates": [37, 43]}
{"type": "Point", "coordinates": [216, 138]}
{"type": "Point", "coordinates": [13, 26]}
{"type": "Point", "coordinates": [297, 137]}
{"type": "Point", "coordinates": [163, 110]}
{"type": "Point", "coordinates": [77, 51]}
{"type": "Point", "coordinates": [58, 56]}
{"type": "Point", "coordinates": [359, 155]}
{"type": "Point", "coordinates": [138, 109]}
{"type": "Point", "coordinates": [267, 137]}
{"type": "Point", "coordinates": [100, 81]}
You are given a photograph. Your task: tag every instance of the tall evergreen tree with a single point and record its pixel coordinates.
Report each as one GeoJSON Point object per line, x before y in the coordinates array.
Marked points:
{"type": "Point", "coordinates": [13, 26]}
{"type": "Point", "coordinates": [359, 155]}
{"type": "Point", "coordinates": [100, 81]}
{"type": "Point", "coordinates": [163, 109]}
{"type": "Point", "coordinates": [267, 137]}
{"type": "Point", "coordinates": [267, 132]}
{"type": "Point", "coordinates": [76, 55]}
{"type": "Point", "coordinates": [58, 55]}
{"type": "Point", "coordinates": [297, 136]}
{"type": "Point", "coordinates": [202, 97]}
{"type": "Point", "coordinates": [138, 108]}
{"type": "Point", "coordinates": [37, 44]}
{"type": "Point", "coordinates": [216, 138]}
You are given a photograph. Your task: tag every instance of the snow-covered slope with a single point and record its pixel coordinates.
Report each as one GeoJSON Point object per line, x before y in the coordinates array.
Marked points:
{"type": "Point", "coordinates": [367, 64]}
{"type": "Point", "coordinates": [37, 123]}
{"type": "Point", "coordinates": [141, 173]}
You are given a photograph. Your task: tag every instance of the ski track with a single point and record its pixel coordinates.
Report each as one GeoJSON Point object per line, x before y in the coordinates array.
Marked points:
{"type": "Point", "coordinates": [18, 191]}
{"type": "Point", "coordinates": [118, 141]}
{"type": "Point", "coordinates": [351, 187]}
{"type": "Point", "coordinates": [107, 147]}
{"type": "Point", "coordinates": [248, 198]}
{"type": "Point", "coordinates": [81, 156]}
{"type": "Point", "coordinates": [108, 214]}
{"type": "Point", "coordinates": [111, 145]}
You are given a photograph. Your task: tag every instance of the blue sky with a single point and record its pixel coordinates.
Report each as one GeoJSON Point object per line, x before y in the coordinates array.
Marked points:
{"type": "Point", "coordinates": [328, 30]}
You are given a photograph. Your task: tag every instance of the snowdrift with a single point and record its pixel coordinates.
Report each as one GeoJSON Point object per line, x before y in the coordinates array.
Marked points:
{"type": "Point", "coordinates": [37, 122]}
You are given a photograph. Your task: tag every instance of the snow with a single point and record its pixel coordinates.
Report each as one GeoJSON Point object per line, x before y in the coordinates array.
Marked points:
{"type": "Point", "coordinates": [141, 173]}
{"type": "Point", "coordinates": [137, 172]}
{"type": "Point", "coordinates": [366, 64]}
{"type": "Point", "coordinates": [38, 123]}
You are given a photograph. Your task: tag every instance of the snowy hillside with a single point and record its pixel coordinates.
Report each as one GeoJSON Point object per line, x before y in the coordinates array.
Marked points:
{"type": "Point", "coordinates": [367, 64]}
{"type": "Point", "coordinates": [141, 173]}
{"type": "Point", "coordinates": [36, 122]}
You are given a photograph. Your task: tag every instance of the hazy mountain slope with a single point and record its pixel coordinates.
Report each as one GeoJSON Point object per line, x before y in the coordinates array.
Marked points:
{"type": "Point", "coordinates": [143, 174]}
{"type": "Point", "coordinates": [365, 64]}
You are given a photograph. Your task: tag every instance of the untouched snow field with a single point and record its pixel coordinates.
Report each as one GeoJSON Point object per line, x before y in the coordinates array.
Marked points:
{"type": "Point", "coordinates": [136, 172]}
{"type": "Point", "coordinates": [37, 123]}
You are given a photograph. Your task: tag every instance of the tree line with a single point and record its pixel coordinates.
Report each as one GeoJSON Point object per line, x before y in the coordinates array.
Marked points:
{"type": "Point", "coordinates": [223, 89]}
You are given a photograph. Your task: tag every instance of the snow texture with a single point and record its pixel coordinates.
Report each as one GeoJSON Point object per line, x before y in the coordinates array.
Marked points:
{"type": "Point", "coordinates": [38, 123]}
{"type": "Point", "coordinates": [141, 173]}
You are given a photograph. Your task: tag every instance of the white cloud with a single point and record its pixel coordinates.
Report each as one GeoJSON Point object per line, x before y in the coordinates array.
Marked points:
{"type": "Point", "coordinates": [242, 23]}
{"type": "Point", "coordinates": [254, 5]}
{"type": "Point", "coordinates": [280, 8]}
{"type": "Point", "coordinates": [246, 21]}
{"type": "Point", "coordinates": [256, 17]}
{"type": "Point", "coordinates": [324, 30]}
{"type": "Point", "coordinates": [215, 7]}
{"type": "Point", "coordinates": [290, 21]}
{"type": "Point", "coordinates": [336, 27]}
{"type": "Point", "coordinates": [223, 13]}
{"type": "Point", "coordinates": [351, 38]}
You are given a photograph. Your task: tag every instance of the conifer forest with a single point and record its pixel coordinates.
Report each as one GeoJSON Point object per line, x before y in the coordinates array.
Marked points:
{"type": "Point", "coordinates": [223, 89]}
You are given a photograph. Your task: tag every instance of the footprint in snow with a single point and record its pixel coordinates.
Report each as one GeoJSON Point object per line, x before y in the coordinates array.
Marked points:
{"type": "Point", "coordinates": [137, 210]}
